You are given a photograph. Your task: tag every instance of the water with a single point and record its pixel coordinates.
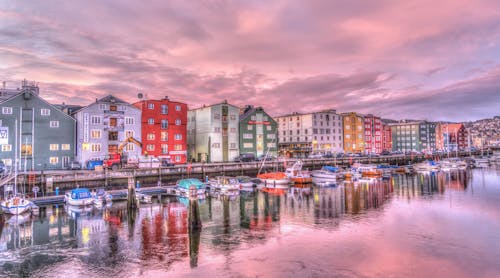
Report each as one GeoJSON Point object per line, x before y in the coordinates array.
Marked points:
{"type": "Point", "coordinates": [438, 225]}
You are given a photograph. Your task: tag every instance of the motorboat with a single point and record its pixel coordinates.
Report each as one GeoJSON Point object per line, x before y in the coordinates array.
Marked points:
{"type": "Point", "coordinates": [452, 164]}
{"type": "Point", "coordinates": [184, 186]}
{"type": "Point", "coordinates": [426, 166]}
{"type": "Point", "coordinates": [325, 173]}
{"type": "Point", "coordinates": [296, 174]}
{"type": "Point", "coordinates": [16, 205]}
{"type": "Point", "coordinates": [274, 180]}
{"type": "Point", "coordinates": [224, 185]}
{"type": "Point", "coordinates": [481, 162]}
{"type": "Point", "coordinates": [247, 182]}
{"type": "Point", "coordinates": [367, 170]}
{"type": "Point", "coordinates": [99, 198]}
{"type": "Point", "coordinates": [78, 197]}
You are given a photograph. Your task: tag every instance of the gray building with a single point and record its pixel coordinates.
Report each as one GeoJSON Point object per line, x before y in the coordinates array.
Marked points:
{"type": "Point", "coordinates": [35, 133]}
{"type": "Point", "coordinates": [105, 124]}
{"type": "Point", "coordinates": [413, 136]}
{"type": "Point", "coordinates": [213, 134]}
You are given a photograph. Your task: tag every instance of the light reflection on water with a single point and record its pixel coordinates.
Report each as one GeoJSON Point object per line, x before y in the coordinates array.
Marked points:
{"type": "Point", "coordinates": [437, 224]}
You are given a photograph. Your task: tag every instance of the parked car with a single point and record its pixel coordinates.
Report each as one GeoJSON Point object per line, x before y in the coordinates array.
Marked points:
{"type": "Point", "coordinates": [75, 165]}
{"type": "Point", "coordinates": [245, 157]}
{"type": "Point", "coordinates": [167, 163]}
{"type": "Point", "coordinates": [3, 169]}
{"type": "Point", "coordinates": [316, 155]}
{"type": "Point", "coordinates": [328, 155]}
{"type": "Point", "coordinates": [385, 152]}
{"type": "Point", "coordinates": [268, 158]}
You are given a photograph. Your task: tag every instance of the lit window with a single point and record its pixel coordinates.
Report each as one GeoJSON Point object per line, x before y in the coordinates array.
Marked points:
{"type": "Point", "coordinates": [65, 147]}
{"type": "Point", "coordinates": [54, 160]}
{"type": "Point", "coordinates": [164, 136]}
{"type": "Point", "coordinates": [164, 148]}
{"type": "Point", "coordinates": [95, 147]}
{"type": "Point", "coordinates": [130, 147]}
{"type": "Point", "coordinates": [95, 134]}
{"type": "Point", "coordinates": [151, 136]}
{"type": "Point", "coordinates": [250, 127]}
{"type": "Point", "coordinates": [178, 147]}
{"type": "Point", "coordinates": [150, 147]}
{"type": "Point", "coordinates": [6, 148]}
{"type": "Point", "coordinates": [54, 147]}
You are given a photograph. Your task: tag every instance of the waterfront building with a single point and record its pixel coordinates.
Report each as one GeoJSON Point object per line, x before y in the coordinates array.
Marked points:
{"type": "Point", "coordinates": [6, 93]}
{"type": "Point", "coordinates": [257, 132]}
{"type": "Point", "coordinates": [373, 134]}
{"type": "Point", "coordinates": [300, 135]}
{"type": "Point", "coordinates": [386, 138]}
{"type": "Point", "coordinates": [33, 132]}
{"type": "Point", "coordinates": [213, 134]}
{"type": "Point", "coordinates": [104, 125]}
{"type": "Point", "coordinates": [413, 136]}
{"type": "Point", "coordinates": [451, 137]}
{"type": "Point", "coordinates": [164, 129]}
{"type": "Point", "coordinates": [354, 132]}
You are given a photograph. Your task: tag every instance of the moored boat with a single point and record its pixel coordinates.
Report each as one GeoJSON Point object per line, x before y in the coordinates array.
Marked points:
{"type": "Point", "coordinates": [16, 205]}
{"type": "Point", "coordinates": [296, 174]}
{"type": "Point", "coordinates": [428, 165]}
{"type": "Point", "coordinates": [224, 185]}
{"type": "Point", "coordinates": [78, 197]}
{"type": "Point", "coordinates": [183, 187]}
{"type": "Point", "coordinates": [274, 179]}
{"type": "Point", "coordinates": [325, 173]}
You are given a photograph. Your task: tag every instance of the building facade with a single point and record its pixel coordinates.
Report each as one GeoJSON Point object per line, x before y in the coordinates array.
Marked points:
{"type": "Point", "coordinates": [213, 134]}
{"type": "Point", "coordinates": [35, 135]}
{"type": "Point", "coordinates": [414, 136]}
{"type": "Point", "coordinates": [300, 135]}
{"type": "Point", "coordinates": [451, 137]}
{"type": "Point", "coordinates": [257, 132]}
{"type": "Point", "coordinates": [104, 125]}
{"type": "Point", "coordinates": [164, 129]}
{"type": "Point", "coordinates": [386, 138]}
{"type": "Point", "coordinates": [354, 132]}
{"type": "Point", "coordinates": [373, 134]}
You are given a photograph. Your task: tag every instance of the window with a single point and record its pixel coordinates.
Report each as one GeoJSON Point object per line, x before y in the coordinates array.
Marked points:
{"type": "Point", "coordinates": [164, 136]}
{"type": "Point", "coordinates": [129, 120]}
{"type": "Point", "coordinates": [164, 124]}
{"type": "Point", "coordinates": [178, 137]}
{"type": "Point", "coordinates": [54, 160]}
{"type": "Point", "coordinates": [151, 106]}
{"type": "Point", "coordinates": [45, 112]}
{"type": "Point", "coordinates": [252, 117]}
{"type": "Point", "coordinates": [113, 108]}
{"type": "Point", "coordinates": [129, 133]}
{"type": "Point", "coordinates": [269, 128]}
{"type": "Point", "coordinates": [247, 145]}
{"type": "Point", "coordinates": [271, 136]}
{"type": "Point", "coordinates": [177, 122]}
{"type": "Point", "coordinates": [247, 136]}
{"type": "Point", "coordinates": [177, 158]}
{"type": "Point", "coordinates": [113, 136]}
{"type": "Point", "coordinates": [164, 109]}
{"type": "Point", "coordinates": [6, 110]}
{"type": "Point", "coordinates": [130, 147]}
{"type": "Point", "coordinates": [65, 147]}
{"type": "Point", "coordinates": [232, 145]}
{"type": "Point", "coordinates": [216, 116]}
{"type": "Point", "coordinates": [177, 108]}
{"type": "Point", "coordinates": [232, 117]}
{"type": "Point", "coordinates": [215, 145]}
{"type": "Point", "coordinates": [150, 147]}
{"type": "Point", "coordinates": [178, 147]}
{"type": "Point", "coordinates": [150, 136]}
{"type": "Point", "coordinates": [151, 121]}
{"type": "Point", "coordinates": [164, 148]}
{"type": "Point", "coordinates": [54, 147]}
{"type": "Point", "coordinates": [122, 108]}
{"type": "Point", "coordinates": [95, 133]}
{"type": "Point", "coordinates": [54, 124]}
{"type": "Point", "coordinates": [95, 147]}
{"type": "Point", "coordinates": [250, 127]}
{"type": "Point", "coordinates": [95, 120]}
{"type": "Point", "coordinates": [272, 145]}
{"type": "Point", "coordinates": [216, 129]}
{"type": "Point", "coordinates": [102, 106]}
{"type": "Point", "coordinates": [6, 148]}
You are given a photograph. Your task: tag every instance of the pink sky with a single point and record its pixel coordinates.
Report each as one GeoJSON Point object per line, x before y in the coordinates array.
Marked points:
{"type": "Point", "coordinates": [436, 60]}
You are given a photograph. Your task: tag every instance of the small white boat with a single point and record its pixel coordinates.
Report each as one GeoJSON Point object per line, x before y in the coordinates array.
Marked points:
{"type": "Point", "coordinates": [481, 162]}
{"type": "Point", "coordinates": [325, 173]}
{"type": "Point", "coordinates": [184, 186]}
{"type": "Point", "coordinates": [78, 197]}
{"type": "Point", "coordinates": [224, 185]}
{"type": "Point", "coordinates": [144, 198]}
{"type": "Point", "coordinates": [426, 166]}
{"type": "Point", "coordinates": [16, 205]}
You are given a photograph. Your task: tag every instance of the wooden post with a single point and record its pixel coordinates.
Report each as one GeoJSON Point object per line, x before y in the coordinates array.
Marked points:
{"type": "Point", "coordinates": [131, 200]}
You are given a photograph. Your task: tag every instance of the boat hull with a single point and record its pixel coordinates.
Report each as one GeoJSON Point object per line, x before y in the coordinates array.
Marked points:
{"type": "Point", "coordinates": [20, 207]}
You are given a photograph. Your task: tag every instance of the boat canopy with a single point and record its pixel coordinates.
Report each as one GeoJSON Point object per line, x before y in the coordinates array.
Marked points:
{"type": "Point", "coordinates": [80, 193]}
{"type": "Point", "coordinates": [330, 168]}
{"type": "Point", "coordinates": [187, 183]}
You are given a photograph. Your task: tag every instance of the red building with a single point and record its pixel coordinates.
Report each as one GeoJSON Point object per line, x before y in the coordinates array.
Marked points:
{"type": "Point", "coordinates": [164, 126]}
{"type": "Point", "coordinates": [449, 136]}
{"type": "Point", "coordinates": [373, 134]}
{"type": "Point", "coordinates": [386, 138]}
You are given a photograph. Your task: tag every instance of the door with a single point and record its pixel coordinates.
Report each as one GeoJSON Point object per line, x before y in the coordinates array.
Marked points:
{"type": "Point", "coordinates": [65, 162]}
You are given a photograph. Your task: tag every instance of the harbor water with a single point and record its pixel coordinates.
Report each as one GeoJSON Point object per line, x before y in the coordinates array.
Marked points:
{"type": "Point", "coordinates": [444, 224]}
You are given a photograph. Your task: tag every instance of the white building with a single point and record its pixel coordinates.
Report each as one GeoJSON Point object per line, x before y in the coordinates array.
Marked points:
{"type": "Point", "coordinates": [300, 135]}
{"type": "Point", "coordinates": [105, 124]}
{"type": "Point", "coordinates": [213, 134]}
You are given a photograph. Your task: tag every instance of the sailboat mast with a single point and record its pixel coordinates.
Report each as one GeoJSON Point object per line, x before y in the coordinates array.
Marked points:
{"type": "Point", "coordinates": [15, 162]}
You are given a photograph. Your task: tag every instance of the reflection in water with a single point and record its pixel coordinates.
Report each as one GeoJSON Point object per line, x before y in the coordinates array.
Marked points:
{"type": "Point", "coordinates": [120, 242]}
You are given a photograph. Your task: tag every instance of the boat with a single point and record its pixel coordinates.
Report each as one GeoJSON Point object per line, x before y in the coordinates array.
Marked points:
{"type": "Point", "coordinates": [296, 174]}
{"type": "Point", "coordinates": [324, 182]}
{"type": "Point", "coordinates": [16, 205]}
{"type": "Point", "coordinates": [425, 166]}
{"type": "Point", "coordinates": [99, 198]}
{"type": "Point", "coordinates": [481, 162]}
{"type": "Point", "coordinates": [274, 179]}
{"type": "Point", "coordinates": [367, 170]}
{"type": "Point", "coordinates": [184, 186]}
{"type": "Point", "coordinates": [144, 198]}
{"type": "Point", "coordinates": [325, 173]}
{"type": "Point", "coordinates": [78, 197]}
{"type": "Point", "coordinates": [224, 185]}
{"type": "Point", "coordinates": [452, 164]}
{"type": "Point", "coordinates": [247, 182]}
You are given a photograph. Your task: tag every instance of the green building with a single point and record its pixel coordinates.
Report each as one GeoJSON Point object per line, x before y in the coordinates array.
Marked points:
{"type": "Point", "coordinates": [258, 132]}
{"type": "Point", "coordinates": [34, 133]}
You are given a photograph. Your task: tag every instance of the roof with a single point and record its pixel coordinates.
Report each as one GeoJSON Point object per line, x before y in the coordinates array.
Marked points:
{"type": "Point", "coordinates": [106, 99]}
{"type": "Point", "coordinates": [80, 190]}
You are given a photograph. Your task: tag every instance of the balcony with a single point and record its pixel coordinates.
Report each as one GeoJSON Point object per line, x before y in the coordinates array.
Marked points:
{"type": "Point", "coordinates": [119, 127]}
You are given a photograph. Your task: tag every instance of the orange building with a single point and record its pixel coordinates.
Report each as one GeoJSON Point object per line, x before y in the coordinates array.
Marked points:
{"type": "Point", "coordinates": [354, 132]}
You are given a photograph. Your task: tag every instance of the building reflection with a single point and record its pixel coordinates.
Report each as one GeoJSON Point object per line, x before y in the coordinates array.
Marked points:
{"type": "Point", "coordinates": [430, 183]}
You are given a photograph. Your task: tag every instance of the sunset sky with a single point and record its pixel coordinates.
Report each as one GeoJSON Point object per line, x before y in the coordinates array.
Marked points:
{"type": "Point", "coordinates": [435, 60]}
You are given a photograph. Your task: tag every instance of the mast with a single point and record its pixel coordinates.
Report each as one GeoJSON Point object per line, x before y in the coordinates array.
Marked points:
{"type": "Point", "coordinates": [15, 162]}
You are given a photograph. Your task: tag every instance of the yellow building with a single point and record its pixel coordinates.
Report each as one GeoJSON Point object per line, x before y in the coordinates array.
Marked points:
{"type": "Point", "coordinates": [354, 132]}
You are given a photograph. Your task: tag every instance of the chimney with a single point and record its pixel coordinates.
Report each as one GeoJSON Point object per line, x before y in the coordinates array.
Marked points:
{"type": "Point", "coordinates": [3, 84]}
